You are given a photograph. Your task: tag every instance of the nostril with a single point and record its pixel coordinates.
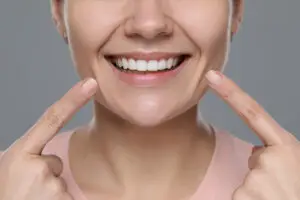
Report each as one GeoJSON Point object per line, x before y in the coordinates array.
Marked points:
{"type": "Point", "coordinates": [149, 28]}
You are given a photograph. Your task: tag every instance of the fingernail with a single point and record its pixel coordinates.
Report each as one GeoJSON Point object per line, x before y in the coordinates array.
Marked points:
{"type": "Point", "coordinates": [214, 77]}
{"type": "Point", "coordinates": [89, 84]}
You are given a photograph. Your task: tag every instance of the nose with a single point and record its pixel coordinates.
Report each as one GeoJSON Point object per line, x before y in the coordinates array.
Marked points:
{"type": "Point", "coordinates": [148, 20]}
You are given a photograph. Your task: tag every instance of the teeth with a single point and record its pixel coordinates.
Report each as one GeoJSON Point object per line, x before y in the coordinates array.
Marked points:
{"type": "Point", "coordinates": [119, 62]}
{"type": "Point", "coordinates": [131, 64]}
{"type": "Point", "coordinates": [124, 63]}
{"type": "Point", "coordinates": [143, 65]}
{"type": "Point", "coordinates": [162, 65]}
{"type": "Point", "coordinates": [152, 65]}
{"type": "Point", "coordinates": [170, 63]}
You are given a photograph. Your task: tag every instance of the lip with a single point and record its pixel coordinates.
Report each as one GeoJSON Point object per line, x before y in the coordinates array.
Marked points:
{"type": "Point", "coordinates": [150, 79]}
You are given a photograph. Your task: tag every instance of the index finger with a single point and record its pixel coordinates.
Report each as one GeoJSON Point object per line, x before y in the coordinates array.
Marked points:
{"type": "Point", "coordinates": [56, 117]}
{"type": "Point", "coordinates": [266, 128]}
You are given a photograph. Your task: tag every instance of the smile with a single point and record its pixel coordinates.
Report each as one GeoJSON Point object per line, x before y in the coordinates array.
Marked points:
{"type": "Point", "coordinates": [140, 63]}
{"type": "Point", "coordinates": [134, 66]}
{"type": "Point", "coordinates": [148, 69]}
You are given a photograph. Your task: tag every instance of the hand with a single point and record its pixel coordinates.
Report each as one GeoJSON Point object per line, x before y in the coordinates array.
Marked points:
{"type": "Point", "coordinates": [275, 167]}
{"type": "Point", "coordinates": [25, 174]}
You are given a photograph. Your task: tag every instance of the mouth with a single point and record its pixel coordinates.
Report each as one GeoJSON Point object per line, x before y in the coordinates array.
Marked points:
{"type": "Point", "coordinates": [138, 63]}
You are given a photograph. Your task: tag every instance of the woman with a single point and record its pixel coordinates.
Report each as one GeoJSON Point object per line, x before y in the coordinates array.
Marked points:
{"type": "Point", "coordinates": [146, 64]}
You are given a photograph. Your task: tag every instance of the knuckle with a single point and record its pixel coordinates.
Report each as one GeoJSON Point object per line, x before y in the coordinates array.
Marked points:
{"type": "Point", "coordinates": [229, 94]}
{"type": "Point", "coordinates": [265, 159]}
{"type": "Point", "coordinates": [54, 117]}
{"type": "Point", "coordinates": [252, 111]}
{"type": "Point", "coordinates": [41, 168]}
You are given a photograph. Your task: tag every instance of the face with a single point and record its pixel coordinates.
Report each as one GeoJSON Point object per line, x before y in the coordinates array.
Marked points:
{"type": "Point", "coordinates": [149, 57]}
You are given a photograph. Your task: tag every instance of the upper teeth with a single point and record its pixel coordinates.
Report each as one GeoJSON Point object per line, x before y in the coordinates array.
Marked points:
{"type": "Point", "coordinates": [143, 65]}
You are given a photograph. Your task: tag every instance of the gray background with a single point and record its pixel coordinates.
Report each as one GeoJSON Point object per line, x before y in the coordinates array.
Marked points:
{"type": "Point", "coordinates": [36, 69]}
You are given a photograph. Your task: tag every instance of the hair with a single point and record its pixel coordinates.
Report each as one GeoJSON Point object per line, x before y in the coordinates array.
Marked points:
{"type": "Point", "coordinates": [232, 8]}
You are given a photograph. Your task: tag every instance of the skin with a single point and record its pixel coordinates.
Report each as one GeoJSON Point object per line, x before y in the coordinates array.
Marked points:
{"type": "Point", "coordinates": [132, 126]}
{"type": "Point", "coordinates": [128, 136]}
{"type": "Point", "coordinates": [24, 169]}
{"type": "Point", "coordinates": [273, 167]}
{"type": "Point", "coordinates": [96, 28]}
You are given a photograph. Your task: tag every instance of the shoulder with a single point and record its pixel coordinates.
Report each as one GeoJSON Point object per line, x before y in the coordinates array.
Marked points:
{"type": "Point", "coordinates": [229, 166]}
{"type": "Point", "coordinates": [229, 142]}
{"type": "Point", "coordinates": [233, 154]}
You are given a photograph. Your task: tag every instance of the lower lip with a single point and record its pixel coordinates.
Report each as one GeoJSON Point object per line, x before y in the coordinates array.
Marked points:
{"type": "Point", "coordinates": [148, 79]}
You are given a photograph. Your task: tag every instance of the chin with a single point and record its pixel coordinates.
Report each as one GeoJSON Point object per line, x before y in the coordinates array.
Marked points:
{"type": "Point", "coordinates": [154, 116]}
{"type": "Point", "coordinates": [146, 120]}
{"type": "Point", "coordinates": [147, 116]}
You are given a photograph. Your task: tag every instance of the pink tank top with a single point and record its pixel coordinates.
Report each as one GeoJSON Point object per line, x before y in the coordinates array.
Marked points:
{"type": "Point", "coordinates": [226, 172]}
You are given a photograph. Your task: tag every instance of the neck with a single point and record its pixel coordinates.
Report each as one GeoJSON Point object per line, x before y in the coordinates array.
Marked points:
{"type": "Point", "coordinates": [134, 155]}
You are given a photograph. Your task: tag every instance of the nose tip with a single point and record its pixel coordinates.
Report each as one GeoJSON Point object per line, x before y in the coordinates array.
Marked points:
{"type": "Point", "coordinates": [150, 29]}
{"type": "Point", "coordinates": [148, 21]}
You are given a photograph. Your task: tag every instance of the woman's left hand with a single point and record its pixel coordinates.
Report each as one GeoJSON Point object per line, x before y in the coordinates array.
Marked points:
{"type": "Point", "coordinates": [275, 167]}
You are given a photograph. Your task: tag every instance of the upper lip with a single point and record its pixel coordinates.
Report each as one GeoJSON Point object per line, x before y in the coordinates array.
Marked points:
{"type": "Point", "coordinates": [147, 56]}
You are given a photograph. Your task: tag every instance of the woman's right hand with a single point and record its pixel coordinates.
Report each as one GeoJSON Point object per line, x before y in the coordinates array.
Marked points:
{"type": "Point", "coordinates": [26, 174]}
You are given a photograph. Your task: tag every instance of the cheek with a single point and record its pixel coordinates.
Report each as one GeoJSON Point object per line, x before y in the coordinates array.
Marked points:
{"type": "Point", "coordinates": [92, 22]}
{"type": "Point", "coordinates": [89, 25]}
{"type": "Point", "coordinates": [206, 22]}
